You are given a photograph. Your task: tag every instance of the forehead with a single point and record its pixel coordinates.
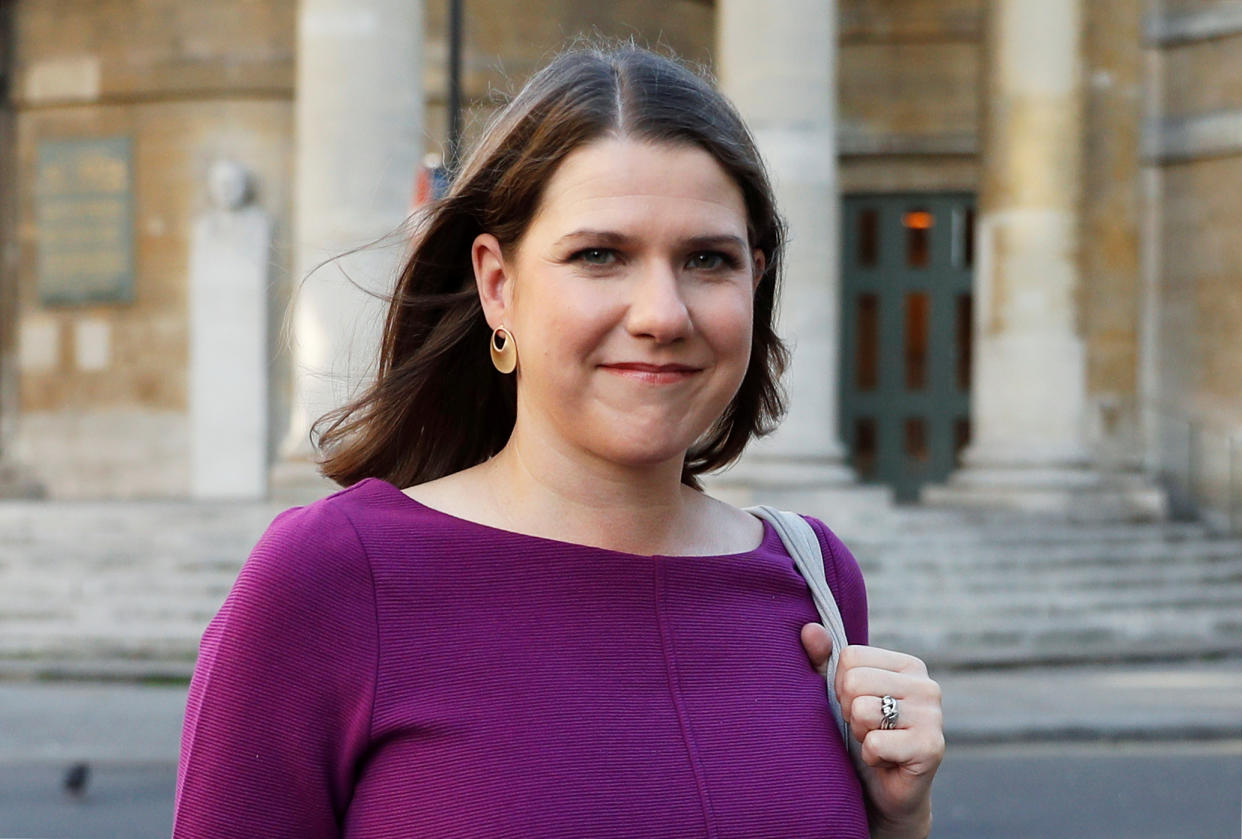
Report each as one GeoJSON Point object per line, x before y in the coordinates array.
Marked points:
{"type": "Point", "coordinates": [625, 182]}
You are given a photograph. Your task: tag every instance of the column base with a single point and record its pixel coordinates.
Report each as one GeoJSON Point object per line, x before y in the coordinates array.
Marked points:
{"type": "Point", "coordinates": [1075, 494]}
{"type": "Point", "coordinates": [822, 487]}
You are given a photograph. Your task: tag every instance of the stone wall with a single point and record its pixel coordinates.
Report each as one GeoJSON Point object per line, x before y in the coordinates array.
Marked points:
{"type": "Point", "coordinates": [508, 40]}
{"type": "Point", "coordinates": [1196, 365]}
{"type": "Point", "coordinates": [103, 387]}
{"type": "Point", "coordinates": [910, 74]}
{"type": "Point", "coordinates": [1111, 218]}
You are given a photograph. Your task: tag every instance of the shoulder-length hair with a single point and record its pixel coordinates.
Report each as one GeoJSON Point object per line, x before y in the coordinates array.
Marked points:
{"type": "Point", "coordinates": [437, 405]}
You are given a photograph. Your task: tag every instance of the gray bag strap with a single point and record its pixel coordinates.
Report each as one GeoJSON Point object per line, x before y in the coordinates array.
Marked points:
{"type": "Point", "coordinates": [803, 545]}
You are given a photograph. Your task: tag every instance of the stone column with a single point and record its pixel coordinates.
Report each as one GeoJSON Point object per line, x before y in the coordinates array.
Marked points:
{"type": "Point", "coordinates": [1028, 412]}
{"type": "Point", "coordinates": [230, 261]}
{"type": "Point", "coordinates": [359, 124]}
{"type": "Point", "coordinates": [777, 62]}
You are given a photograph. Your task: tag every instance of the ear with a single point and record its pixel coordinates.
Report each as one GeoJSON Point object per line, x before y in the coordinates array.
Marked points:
{"type": "Point", "coordinates": [760, 264]}
{"type": "Point", "coordinates": [492, 277]}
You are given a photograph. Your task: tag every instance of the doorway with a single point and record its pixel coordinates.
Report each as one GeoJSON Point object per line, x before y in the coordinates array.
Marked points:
{"type": "Point", "coordinates": [906, 326]}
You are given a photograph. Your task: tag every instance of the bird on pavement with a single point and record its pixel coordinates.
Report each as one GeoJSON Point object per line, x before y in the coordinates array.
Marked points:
{"type": "Point", "coordinates": [75, 780]}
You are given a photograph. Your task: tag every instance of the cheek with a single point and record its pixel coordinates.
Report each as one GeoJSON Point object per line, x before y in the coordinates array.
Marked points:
{"type": "Point", "coordinates": [728, 324]}
{"type": "Point", "coordinates": [560, 336]}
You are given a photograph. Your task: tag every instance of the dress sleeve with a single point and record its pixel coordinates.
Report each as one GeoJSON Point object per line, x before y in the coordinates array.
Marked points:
{"type": "Point", "coordinates": [279, 709]}
{"type": "Point", "coordinates": [846, 581]}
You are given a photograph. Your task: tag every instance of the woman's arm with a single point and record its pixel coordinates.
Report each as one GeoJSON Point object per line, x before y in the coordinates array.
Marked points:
{"type": "Point", "coordinates": [900, 762]}
{"type": "Point", "coordinates": [279, 708]}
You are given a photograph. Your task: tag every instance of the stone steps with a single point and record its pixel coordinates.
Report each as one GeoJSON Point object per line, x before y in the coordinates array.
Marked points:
{"type": "Point", "coordinates": [1225, 571]}
{"type": "Point", "coordinates": [1069, 603]}
{"type": "Point", "coordinates": [904, 529]}
{"type": "Point", "coordinates": [138, 582]}
{"type": "Point", "coordinates": [963, 592]}
{"type": "Point", "coordinates": [948, 555]}
{"type": "Point", "coordinates": [1214, 626]}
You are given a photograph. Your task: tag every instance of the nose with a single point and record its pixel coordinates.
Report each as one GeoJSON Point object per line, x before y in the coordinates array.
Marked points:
{"type": "Point", "coordinates": [657, 306]}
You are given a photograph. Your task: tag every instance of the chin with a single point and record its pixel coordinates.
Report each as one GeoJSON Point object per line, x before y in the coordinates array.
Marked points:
{"type": "Point", "coordinates": [633, 440]}
{"type": "Point", "coordinates": [643, 454]}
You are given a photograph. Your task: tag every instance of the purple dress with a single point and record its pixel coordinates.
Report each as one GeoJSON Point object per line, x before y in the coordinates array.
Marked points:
{"type": "Point", "coordinates": [381, 669]}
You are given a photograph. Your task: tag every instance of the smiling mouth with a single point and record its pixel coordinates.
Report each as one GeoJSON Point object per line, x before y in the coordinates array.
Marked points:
{"type": "Point", "coordinates": [653, 373]}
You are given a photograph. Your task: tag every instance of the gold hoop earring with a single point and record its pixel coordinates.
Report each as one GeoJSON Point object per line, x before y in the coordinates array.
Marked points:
{"type": "Point", "coordinates": [504, 350]}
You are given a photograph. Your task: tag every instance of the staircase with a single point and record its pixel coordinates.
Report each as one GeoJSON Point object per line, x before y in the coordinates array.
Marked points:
{"type": "Point", "coordinates": [116, 588]}
{"type": "Point", "coordinates": [962, 589]}
{"type": "Point", "coordinates": [125, 589]}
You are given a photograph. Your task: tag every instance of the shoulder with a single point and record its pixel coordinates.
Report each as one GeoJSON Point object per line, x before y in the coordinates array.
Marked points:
{"type": "Point", "coordinates": [338, 528]}
{"type": "Point", "coordinates": [314, 534]}
{"type": "Point", "coordinates": [304, 594]}
{"type": "Point", "coordinates": [838, 559]}
{"type": "Point", "coordinates": [845, 578]}
{"type": "Point", "coordinates": [309, 557]}
{"type": "Point", "coordinates": [369, 529]}
{"type": "Point", "coordinates": [840, 566]}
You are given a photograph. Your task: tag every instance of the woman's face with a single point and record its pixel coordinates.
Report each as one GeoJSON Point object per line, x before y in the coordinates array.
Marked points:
{"type": "Point", "coordinates": [630, 301]}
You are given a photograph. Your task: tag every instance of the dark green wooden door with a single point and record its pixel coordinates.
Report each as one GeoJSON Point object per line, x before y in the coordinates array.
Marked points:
{"type": "Point", "coordinates": [906, 331]}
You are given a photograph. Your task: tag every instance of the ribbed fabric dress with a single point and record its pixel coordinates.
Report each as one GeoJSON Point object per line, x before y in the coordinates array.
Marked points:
{"type": "Point", "coordinates": [383, 670]}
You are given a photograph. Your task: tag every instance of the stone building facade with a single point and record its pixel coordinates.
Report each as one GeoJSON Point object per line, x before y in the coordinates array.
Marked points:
{"type": "Point", "coordinates": [1065, 174]}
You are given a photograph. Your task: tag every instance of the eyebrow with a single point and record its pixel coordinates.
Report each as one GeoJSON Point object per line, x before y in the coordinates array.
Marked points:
{"type": "Point", "coordinates": [612, 237]}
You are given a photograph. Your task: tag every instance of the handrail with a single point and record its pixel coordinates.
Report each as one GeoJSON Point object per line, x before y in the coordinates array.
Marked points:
{"type": "Point", "coordinates": [1222, 510]}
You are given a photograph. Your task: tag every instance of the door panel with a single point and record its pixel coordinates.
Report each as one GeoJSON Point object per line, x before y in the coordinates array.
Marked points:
{"type": "Point", "coordinates": [907, 264]}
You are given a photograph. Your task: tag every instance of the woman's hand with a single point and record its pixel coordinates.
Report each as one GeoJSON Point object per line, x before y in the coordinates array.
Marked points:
{"type": "Point", "coordinates": [900, 762]}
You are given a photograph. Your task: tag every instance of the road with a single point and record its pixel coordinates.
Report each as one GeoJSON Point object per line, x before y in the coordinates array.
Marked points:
{"type": "Point", "coordinates": [1091, 791]}
{"type": "Point", "coordinates": [1070, 791]}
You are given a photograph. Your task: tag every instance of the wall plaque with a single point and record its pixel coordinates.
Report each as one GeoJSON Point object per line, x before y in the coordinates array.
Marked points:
{"type": "Point", "coordinates": [84, 196]}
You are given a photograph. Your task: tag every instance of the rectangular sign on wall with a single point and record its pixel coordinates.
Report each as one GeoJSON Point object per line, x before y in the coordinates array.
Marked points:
{"type": "Point", "coordinates": [84, 200]}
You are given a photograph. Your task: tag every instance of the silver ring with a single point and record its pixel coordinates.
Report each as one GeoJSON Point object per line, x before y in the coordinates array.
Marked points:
{"type": "Point", "coordinates": [888, 713]}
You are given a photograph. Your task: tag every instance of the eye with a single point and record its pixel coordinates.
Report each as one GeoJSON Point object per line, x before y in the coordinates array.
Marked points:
{"type": "Point", "coordinates": [595, 256]}
{"type": "Point", "coordinates": [711, 261]}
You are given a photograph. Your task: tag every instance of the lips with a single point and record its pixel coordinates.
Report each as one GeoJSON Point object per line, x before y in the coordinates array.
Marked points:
{"type": "Point", "coordinates": [653, 373]}
{"type": "Point", "coordinates": [653, 368]}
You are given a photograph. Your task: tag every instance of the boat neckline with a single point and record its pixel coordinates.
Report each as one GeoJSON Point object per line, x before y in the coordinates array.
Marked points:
{"type": "Point", "coordinates": [770, 539]}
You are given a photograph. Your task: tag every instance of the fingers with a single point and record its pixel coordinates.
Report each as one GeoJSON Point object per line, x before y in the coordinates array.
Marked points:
{"type": "Point", "coordinates": [869, 683]}
{"type": "Point", "coordinates": [864, 715]}
{"type": "Point", "coordinates": [818, 645]}
{"type": "Point", "coordinates": [873, 682]}
{"type": "Point", "coordinates": [901, 761]}
{"type": "Point", "coordinates": [917, 751]}
{"type": "Point", "coordinates": [857, 655]}
{"type": "Point", "coordinates": [864, 676]}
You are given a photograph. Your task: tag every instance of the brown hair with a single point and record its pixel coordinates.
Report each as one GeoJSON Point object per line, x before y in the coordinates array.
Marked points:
{"type": "Point", "coordinates": [437, 405]}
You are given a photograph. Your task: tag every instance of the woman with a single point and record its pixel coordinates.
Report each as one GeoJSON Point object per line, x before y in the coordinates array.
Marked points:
{"type": "Point", "coordinates": [552, 631]}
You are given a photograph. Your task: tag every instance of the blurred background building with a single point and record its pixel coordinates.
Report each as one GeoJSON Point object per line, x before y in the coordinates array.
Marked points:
{"type": "Point", "coordinates": [1014, 285]}
{"type": "Point", "coordinates": [1028, 294]}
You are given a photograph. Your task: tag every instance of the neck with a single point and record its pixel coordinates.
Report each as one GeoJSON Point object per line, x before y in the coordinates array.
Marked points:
{"type": "Point", "coordinates": [636, 509]}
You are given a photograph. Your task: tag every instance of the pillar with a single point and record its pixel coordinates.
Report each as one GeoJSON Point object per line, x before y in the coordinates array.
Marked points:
{"type": "Point", "coordinates": [1028, 412]}
{"type": "Point", "coordinates": [230, 264]}
{"type": "Point", "coordinates": [777, 62]}
{"type": "Point", "coordinates": [359, 126]}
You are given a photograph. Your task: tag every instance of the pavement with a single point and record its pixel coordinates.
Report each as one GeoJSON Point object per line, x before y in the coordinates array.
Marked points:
{"type": "Point", "coordinates": [55, 721]}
